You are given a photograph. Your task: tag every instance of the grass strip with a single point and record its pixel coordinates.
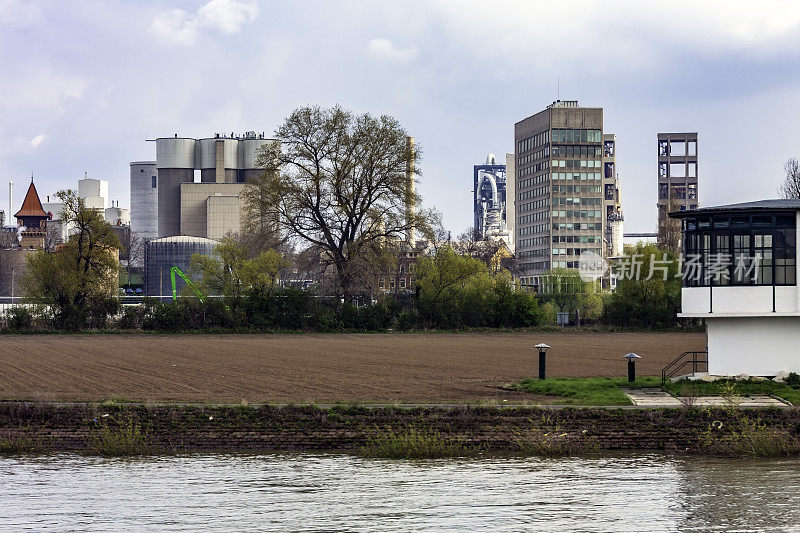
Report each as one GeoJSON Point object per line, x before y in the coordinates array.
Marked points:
{"type": "Point", "coordinates": [586, 391]}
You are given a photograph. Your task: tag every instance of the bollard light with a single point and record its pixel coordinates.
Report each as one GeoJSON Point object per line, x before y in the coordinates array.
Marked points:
{"type": "Point", "coordinates": [542, 347]}
{"type": "Point", "coordinates": [632, 357]}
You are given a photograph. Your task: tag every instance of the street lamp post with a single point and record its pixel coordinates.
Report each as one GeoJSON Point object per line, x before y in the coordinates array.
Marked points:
{"type": "Point", "coordinates": [542, 347]}
{"type": "Point", "coordinates": [632, 357]}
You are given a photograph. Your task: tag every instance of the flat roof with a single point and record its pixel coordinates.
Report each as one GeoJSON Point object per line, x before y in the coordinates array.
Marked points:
{"type": "Point", "coordinates": [758, 205]}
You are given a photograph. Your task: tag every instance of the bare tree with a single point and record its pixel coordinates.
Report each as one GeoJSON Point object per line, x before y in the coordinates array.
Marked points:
{"type": "Point", "coordinates": [790, 188]}
{"type": "Point", "coordinates": [669, 229]}
{"type": "Point", "coordinates": [337, 182]}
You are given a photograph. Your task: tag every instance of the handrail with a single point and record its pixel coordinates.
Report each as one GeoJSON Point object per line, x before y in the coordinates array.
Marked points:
{"type": "Point", "coordinates": [679, 362]}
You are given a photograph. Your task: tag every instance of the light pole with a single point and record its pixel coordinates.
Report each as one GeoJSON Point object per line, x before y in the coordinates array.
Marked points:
{"type": "Point", "coordinates": [632, 357]}
{"type": "Point", "coordinates": [542, 347]}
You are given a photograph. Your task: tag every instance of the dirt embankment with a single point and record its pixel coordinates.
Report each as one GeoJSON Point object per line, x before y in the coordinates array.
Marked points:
{"type": "Point", "coordinates": [384, 368]}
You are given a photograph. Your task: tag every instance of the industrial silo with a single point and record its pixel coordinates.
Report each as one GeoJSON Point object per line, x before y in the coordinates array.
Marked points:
{"type": "Point", "coordinates": [217, 160]}
{"type": "Point", "coordinates": [144, 199]}
{"type": "Point", "coordinates": [160, 255]}
{"type": "Point", "coordinates": [249, 148]}
{"type": "Point", "coordinates": [175, 159]}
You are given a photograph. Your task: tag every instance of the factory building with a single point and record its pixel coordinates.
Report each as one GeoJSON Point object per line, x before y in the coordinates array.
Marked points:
{"type": "Point", "coordinates": [490, 205]}
{"type": "Point", "coordinates": [196, 183]}
{"type": "Point", "coordinates": [614, 229]}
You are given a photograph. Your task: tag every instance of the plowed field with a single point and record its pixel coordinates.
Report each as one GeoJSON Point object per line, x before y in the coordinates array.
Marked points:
{"type": "Point", "coordinates": [314, 368]}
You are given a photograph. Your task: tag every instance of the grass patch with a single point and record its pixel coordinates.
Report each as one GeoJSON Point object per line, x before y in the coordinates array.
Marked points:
{"type": "Point", "coordinates": [586, 391]}
{"type": "Point", "coordinates": [732, 388]}
{"type": "Point", "coordinates": [414, 444]}
{"type": "Point", "coordinates": [119, 438]}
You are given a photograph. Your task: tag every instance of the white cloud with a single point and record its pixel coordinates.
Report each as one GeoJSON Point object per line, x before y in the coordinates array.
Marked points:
{"type": "Point", "coordinates": [386, 49]}
{"type": "Point", "coordinates": [19, 12]}
{"type": "Point", "coordinates": [220, 16]}
{"type": "Point", "coordinates": [40, 88]}
{"type": "Point", "coordinates": [39, 139]}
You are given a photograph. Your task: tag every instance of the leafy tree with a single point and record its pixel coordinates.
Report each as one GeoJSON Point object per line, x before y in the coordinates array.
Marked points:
{"type": "Point", "coordinates": [78, 281]}
{"type": "Point", "coordinates": [337, 182]}
{"type": "Point", "coordinates": [648, 293]}
{"type": "Point", "coordinates": [565, 289]}
{"type": "Point", "coordinates": [233, 271]}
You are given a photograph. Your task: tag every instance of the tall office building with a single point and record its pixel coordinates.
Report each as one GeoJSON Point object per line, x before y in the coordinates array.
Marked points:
{"type": "Point", "coordinates": [612, 205]}
{"type": "Point", "coordinates": [677, 183]}
{"type": "Point", "coordinates": [560, 179]}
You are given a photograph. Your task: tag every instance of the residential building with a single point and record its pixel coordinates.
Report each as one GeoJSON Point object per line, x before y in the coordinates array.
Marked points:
{"type": "Point", "coordinates": [740, 276]}
{"type": "Point", "coordinates": [677, 183]}
{"type": "Point", "coordinates": [559, 185]}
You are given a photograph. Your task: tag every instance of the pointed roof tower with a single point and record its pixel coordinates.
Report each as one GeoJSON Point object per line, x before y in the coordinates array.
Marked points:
{"type": "Point", "coordinates": [31, 206]}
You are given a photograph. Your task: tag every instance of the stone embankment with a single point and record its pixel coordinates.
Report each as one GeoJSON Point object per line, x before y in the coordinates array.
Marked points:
{"type": "Point", "coordinates": [180, 428]}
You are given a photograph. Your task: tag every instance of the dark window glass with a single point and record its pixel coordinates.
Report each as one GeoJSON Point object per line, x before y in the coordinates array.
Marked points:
{"type": "Point", "coordinates": [740, 222]}
{"type": "Point", "coordinates": [762, 220]}
{"type": "Point", "coordinates": [155, 182]}
{"type": "Point", "coordinates": [721, 222]}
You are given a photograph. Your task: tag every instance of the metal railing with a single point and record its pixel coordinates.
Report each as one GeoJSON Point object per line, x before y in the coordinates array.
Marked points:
{"type": "Point", "coordinates": [697, 359]}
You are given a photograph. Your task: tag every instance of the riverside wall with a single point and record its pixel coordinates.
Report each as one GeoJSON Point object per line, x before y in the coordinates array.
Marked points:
{"type": "Point", "coordinates": [180, 428]}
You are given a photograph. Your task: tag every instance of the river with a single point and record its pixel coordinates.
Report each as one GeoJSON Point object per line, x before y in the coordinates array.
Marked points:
{"type": "Point", "coordinates": [331, 492]}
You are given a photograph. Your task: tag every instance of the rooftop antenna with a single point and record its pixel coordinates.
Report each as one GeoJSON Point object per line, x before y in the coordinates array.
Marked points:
{"type": "Point", "coordinates": [558, 88]}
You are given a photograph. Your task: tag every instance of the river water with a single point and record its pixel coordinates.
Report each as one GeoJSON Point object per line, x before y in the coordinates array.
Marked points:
{"type": "Point", "coordinates": [306, 492]}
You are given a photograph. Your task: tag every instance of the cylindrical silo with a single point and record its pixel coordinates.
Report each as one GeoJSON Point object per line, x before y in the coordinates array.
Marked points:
{"type": "Point", "coordinates": [162, 254]}
{"type": "Point", "coordinates": [249, 149]}
{"type": "Point", "coordinates": [175, 159]}
{"type": "Point", "coordinates": [144, 199]}
{"type": "Point", "coordinates": [217, 160]}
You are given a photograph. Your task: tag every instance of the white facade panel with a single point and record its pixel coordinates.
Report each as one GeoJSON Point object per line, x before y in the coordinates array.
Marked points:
{"type": "Point", "coordinates": [756, 346]}
{"type": "Point", "coordinates": [738, 301]}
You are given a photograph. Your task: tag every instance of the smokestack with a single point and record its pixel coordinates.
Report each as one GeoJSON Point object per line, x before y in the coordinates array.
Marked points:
{"type": "Point", "coordinates": [10, 200]}
{"type": "Point", "coordinates": [410, 191]}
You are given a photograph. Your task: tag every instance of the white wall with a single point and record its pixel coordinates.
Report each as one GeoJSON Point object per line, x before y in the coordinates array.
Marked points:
{"type": "Point", "coordinates": [756, 346]}
{"type": "Point", "coordinates": [738, 300]}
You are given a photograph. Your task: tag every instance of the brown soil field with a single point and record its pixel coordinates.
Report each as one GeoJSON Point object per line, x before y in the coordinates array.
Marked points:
{"type": "Point", "coordinates": [380, 368]}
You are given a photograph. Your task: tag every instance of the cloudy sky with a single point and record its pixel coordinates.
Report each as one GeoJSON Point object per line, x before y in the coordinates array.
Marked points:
{"type": "Point", "coordinates": [83, 83]}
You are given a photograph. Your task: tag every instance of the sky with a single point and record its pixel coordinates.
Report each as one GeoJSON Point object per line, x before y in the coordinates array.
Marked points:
{"type": "Point", "coordinates": [84, 83]}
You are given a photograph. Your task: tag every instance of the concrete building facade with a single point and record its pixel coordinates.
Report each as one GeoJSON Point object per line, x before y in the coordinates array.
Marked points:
{"type": "Point", "coordinates": [210, 210]}
{"type": "Point", "coordinates": [144, 199]}
{"type": "Point", "coordinates": [677, 181]}
{"type": "Point", "coordinates": [559, 187]}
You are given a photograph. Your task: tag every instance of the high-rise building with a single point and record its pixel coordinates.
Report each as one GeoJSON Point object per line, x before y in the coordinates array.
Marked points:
{"type": "Point", "coordinates": [677, 183]}
{"type": "Point", "coordinates": [560, 177]}
{"type": "Point", "coordinates": [490, 205]}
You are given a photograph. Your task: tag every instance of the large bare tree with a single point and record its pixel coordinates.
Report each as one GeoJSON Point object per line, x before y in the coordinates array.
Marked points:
{"type": "Point", "coordinates": [337, 183]}
{"type": "Point", "coordinates": [790, 188]}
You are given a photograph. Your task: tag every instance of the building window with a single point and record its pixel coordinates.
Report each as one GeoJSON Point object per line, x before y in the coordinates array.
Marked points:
{"type": "Point", "coordinates": [154, 182]}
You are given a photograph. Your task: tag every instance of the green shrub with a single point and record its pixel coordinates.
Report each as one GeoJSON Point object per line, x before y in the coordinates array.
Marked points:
{"type": "Point", "coordinates": [748, 438]}
{"type": "Point", "coordinates": [117, 438]}
{"type": "Point", "coordinates": [19, 319]}
{"type": "Point", "coordinates": [793, 380]}
{"type": "Point", "coordinates": [15, 444]}
{"type": "Point", "coordinates": [414, 444]}
{"type": "Point", "coordinates": [407, 320]}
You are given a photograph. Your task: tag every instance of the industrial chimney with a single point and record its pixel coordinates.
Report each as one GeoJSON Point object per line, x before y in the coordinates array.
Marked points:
{"type": "Point", "coordinates": [410, 192]}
